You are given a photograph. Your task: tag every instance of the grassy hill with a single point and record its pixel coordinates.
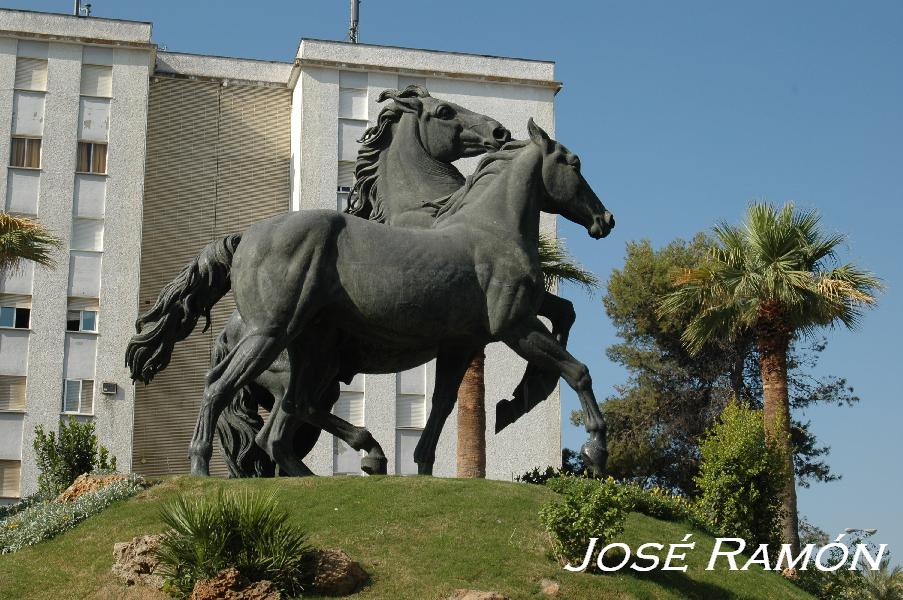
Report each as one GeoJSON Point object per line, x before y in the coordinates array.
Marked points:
{"type": "Point", "coordinates": [419, 538]}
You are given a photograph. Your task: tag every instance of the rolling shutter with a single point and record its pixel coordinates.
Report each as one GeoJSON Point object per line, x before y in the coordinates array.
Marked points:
{"type": "Point", "coordinates": [97, 80]}
{"type": "Point", "coordinates": [10, 478]}
{"type": "Point", "coordinates": [31, 74]}
{"type": "Point", "coordinates": [12, 393]}
{"type": "Point", "coordinates": [350, 407]}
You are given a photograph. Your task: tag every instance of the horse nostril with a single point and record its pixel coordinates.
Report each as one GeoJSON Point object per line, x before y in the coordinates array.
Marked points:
{"type": "Point", "coordinates": [501, 134]}
{"type": "Point", "coordinates": [609, 220]}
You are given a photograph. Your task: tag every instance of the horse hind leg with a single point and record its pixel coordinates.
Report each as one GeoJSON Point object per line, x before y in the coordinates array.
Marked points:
{"type": "Point", "coordinates": [248, 359]}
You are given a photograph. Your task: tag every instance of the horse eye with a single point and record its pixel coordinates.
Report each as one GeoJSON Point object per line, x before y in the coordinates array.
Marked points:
{"type": "Point", "coordinates": [445, 112]}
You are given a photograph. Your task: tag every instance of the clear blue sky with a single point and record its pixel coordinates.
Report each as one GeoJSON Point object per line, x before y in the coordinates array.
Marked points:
{"type": "Point", "coordinates": [682, 112]}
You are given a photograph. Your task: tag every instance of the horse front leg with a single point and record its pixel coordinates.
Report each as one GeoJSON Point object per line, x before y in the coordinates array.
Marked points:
{"type": "Point", "coordinates": [533, 342]}
{"type": "Point", "coordinates": [451, 365]}
{"type": "Point", "coordinates": [538, 383]}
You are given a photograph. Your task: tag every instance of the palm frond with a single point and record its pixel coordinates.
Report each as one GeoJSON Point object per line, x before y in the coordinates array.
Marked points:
{"type": "Point", "coordinates": [558, 265]}
{"type": "Point", "coordinates": [776, 256]}
{"type": "Point", "coordinates": [21, 239]}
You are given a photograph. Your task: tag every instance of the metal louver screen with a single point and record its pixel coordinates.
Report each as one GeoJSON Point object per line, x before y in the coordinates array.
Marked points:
{"type": "Point", "coordinates": [217, 161]}
{"type": "Point", "coordinates": [12, 393]}
{"type": "Point", "coordinates": [31, 74]}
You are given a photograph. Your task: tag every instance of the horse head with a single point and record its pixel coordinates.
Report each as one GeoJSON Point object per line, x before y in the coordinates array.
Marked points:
{"type": "Point", "coordinates": [448, 131]}
{"type": "Point", "coordinates": [566, 191]}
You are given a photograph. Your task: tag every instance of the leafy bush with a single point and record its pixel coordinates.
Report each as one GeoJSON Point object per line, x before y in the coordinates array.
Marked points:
{"type": "Point", "coordinates": [660, 503]}
{"type": "Point", "coordinates": [740, 478]}
{"type": "Point", "coordinates": [45, 520]}
{"type": "Point", "coordinates": [587, 508]}
{"type": "Point", "coordinates": [246, 531]}
{"type": "Point", "coordinates": [62, 458]}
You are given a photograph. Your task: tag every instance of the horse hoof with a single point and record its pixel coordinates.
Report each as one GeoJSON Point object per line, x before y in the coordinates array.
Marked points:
{"type": "Point", "coordinates": [424, 468]}
{"type": "Point", "coordinates": [595, 455]}
{"type": "Point", "coordinates": [199, 467]}
{"type": "Point", "coordinates": [375, 465]}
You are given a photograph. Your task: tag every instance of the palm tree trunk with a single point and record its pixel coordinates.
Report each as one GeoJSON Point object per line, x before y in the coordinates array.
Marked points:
{"type": "Point", "coordinates": [773, 342]}
{"type": "Point", "coordinates": [472, 420]}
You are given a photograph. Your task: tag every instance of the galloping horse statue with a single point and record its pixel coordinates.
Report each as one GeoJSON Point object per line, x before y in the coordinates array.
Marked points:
{"type": "Point", "coordinates": [315, 282]}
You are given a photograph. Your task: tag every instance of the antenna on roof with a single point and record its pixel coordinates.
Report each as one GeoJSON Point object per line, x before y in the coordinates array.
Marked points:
{"type": "Point", "coordinates": [81, 11]}
{"type": "Point", "coordinates": [352, 27]}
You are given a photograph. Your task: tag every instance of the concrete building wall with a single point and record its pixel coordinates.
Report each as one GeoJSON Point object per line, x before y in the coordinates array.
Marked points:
{"type": "Point", "coordinates": [103, 233]}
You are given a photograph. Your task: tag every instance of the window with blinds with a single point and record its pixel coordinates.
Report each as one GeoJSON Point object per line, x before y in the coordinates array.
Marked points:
{"type": "Point", "coordinates": [10, 478]}
{"type": "Point", "coordinates": [78, 396]}
{"type": "Point", "coordinates": [350, 407]}
{"type": "Point", "coordinates": [92, 158]}
{"type": "Point", "coordinates": [97, 80]}
{"type": "Point", "coordinates": [31, 74]}
{"type": "Point", "coordinates": [12, 393]}
{"type": "Point", "coordinates": [87, 234]}
{"type": "Point", "coordinates": [25, 152]}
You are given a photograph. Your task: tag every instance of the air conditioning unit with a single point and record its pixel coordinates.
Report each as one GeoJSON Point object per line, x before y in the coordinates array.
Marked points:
{"type": "Point", "coordinates": [109, 388]}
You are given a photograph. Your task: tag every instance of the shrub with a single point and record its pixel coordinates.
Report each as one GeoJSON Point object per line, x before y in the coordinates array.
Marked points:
{"type": "Point", "coordinates": [246, 531]}
{"type": "Point", "coordinates": [62, 458]}
{"type": "Point", "coordinates": [587, 508]}
{"type": "Point", "coordinates": [660, 503]}
{"type": "Point", "coordinates": [740, 478]}
{"type": "Point", "coordinates": [45, 520]}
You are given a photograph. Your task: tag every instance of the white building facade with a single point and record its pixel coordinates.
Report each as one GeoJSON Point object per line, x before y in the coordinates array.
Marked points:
{"type": "Point", "coordinates": [136, 158]}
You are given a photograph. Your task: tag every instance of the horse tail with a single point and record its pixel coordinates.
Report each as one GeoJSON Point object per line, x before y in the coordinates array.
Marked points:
{"type": "Point", "coordinates": [181, 302]}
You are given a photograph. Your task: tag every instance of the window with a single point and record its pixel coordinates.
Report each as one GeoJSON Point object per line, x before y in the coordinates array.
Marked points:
{"type": "Point", "coordinates": [87, 234]}
{"type": "Point", "coordinates": [26, 152]}
{"type": "Point", "coordinates": [10, 476]}
{"type": "Point", "coordinates": [92, 158]}
{"type": "Point", "coordinates": [12, 393]}
{"type": "Point", "coordinates": [345, 183]}
{"type": "Point", "coordinates": [350, 407]}
{"type": "Point", "coordinates": [81, 320]}
{"type": "Point", "coordinates": [78, 396]}
{"type": "Point", "coordinates": [31, 74]}
{"type": "Point", "coordinates": [15, 317]}
{"type": "Point", "coordinates": [97, 80]}
{"type": "Point", "coordinates": [410, 417]}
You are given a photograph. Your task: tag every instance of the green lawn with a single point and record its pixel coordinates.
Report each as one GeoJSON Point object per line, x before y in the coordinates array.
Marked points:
{"type": "Point", "coordinates": [419, 538]}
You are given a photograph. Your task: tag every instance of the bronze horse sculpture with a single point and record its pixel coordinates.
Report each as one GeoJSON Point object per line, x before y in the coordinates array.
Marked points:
{"type": "Point", "coordinates": [319, 278]}
{"type": "Point", "coordinates": [416, 167]}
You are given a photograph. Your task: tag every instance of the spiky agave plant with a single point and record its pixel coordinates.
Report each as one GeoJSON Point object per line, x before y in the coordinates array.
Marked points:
{"type": "Point", "coordinates": [244, 530]}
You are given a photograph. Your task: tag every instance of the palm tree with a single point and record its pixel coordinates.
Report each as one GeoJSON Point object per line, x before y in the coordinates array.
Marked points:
{"type": "Point", "coordinates": [770, 277]}
{"type": "Point", "coordinates": [884, 584]}
{"type": "Point", "coordinates": [24, 239]}
{"type": "Point", "coordinates": [557, 265]}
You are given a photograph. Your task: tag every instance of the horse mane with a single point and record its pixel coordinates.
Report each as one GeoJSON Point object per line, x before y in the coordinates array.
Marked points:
{"type": "Point", "coordinates": [363, 201]}
{"type": "Point", "coordinates": [491, 164]}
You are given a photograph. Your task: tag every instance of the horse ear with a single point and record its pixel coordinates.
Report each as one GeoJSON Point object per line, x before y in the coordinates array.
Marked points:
{"type": "Point", "coordinates": [539, 137]}
{"type": "Point", "coordinates": [411, 104]}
